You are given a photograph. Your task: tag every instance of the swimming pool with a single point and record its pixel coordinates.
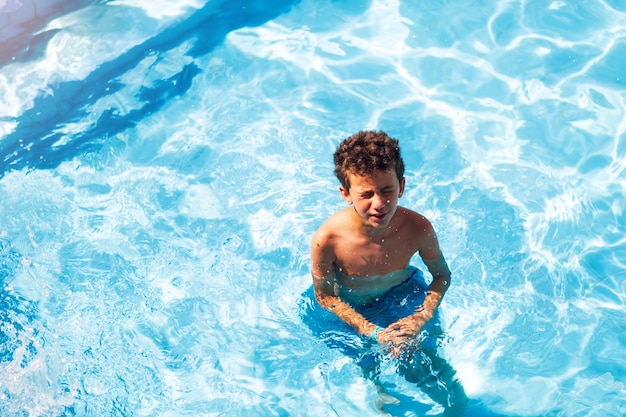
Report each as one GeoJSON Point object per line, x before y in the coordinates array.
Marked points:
{"type": "Point", "coordinates": [163, 168]}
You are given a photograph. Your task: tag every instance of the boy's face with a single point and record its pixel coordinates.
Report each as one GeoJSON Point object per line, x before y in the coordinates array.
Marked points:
{"type": "Point", "coordinates": [375, 197]}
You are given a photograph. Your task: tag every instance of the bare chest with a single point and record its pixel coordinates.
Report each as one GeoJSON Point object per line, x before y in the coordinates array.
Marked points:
{"type": "Point", "coordinates": [366, 258]}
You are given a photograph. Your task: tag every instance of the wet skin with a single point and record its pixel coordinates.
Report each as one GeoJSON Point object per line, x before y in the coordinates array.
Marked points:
{"type": "Point", "coordinates": [364, 249]}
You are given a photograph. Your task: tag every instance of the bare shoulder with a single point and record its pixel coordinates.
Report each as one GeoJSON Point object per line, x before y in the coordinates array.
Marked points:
{"type": "Point", "coordinates": [324, 245]}
{"type": "Point", "coordinates": [330, 229]}
{"type": "Point", "coordinates": [414, 221]}
{"type": "Point", "coordinates": [419, 230]}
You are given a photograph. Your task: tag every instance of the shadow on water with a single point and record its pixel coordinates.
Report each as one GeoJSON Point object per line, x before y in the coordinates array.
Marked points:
{"type": "Point", "coordinates": [31, 144]}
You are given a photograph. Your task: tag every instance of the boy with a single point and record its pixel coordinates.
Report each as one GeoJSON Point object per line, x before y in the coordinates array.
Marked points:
{"type": "Point", "coordinates": [362, 253]}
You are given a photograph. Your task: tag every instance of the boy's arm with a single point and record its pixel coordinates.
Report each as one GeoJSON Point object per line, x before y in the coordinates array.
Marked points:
{"type": "Point", "coordinates": [344, 311]}
{"type": "Point", "coordinates": [436, 290]}
{"type": "Point", "coordinates": [435, 262]}
{"type": "Point", "coordinates": [411, 325]}
{"type": "Point", "coordinates": [324, 284]}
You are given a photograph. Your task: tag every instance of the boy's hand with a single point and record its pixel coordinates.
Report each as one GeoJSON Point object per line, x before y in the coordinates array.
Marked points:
{"type": "Point", "coordinates": [393, 341]}
{"type": "Point", "coordinates": [400, 335]}
{"type": "Point", "coordinates": [396, 341]}
{"type": "Point", "coordinates": [410, 326]}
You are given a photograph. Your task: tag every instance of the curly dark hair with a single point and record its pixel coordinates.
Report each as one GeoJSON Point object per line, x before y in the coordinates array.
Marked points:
{"type": "Point", "coordinates": [366, 152]}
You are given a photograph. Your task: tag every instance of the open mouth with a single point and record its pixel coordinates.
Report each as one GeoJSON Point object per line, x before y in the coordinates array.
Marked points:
{"type": "Point", "coordinates": [379, 217]}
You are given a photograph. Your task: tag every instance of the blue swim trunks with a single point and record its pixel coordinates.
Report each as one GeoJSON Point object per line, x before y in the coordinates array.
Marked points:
{"type": "Point", "coordinates": [420, 364]}
{"type": "Point", "coordinates": [400, 301]}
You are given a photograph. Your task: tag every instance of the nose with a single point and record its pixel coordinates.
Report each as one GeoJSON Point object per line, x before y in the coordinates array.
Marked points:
{"type": "Point", "coordinates": [379, 202]}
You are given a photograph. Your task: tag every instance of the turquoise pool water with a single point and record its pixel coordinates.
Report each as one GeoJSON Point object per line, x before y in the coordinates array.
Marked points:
{"type": "Point", "coordinates": [163, 166]}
